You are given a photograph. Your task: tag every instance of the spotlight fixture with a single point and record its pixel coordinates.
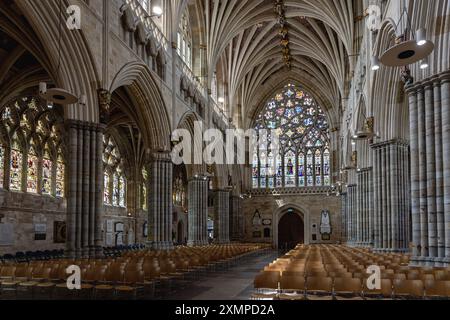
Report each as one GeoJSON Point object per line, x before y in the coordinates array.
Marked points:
{"type": "Point", "coordinates": [421, 35]}
{"type": "Point", "coordinates": [375, 63]}
{"type": "Point", "coordinates": [157, 12]}
{"type": "Point", "coordinates": [424, 64]}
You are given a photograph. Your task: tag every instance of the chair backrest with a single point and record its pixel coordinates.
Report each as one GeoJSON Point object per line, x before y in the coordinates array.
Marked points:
{"type": "Point", "coordinates": [319, 284]}
{"type": "Point", "coordinates": [435, 288]}
{"type": "Point", "coordinates": [413, 288]}
{"type": "Point", "coordinates": [385, 290]}
{"type": "Point", "coordinates": [267, 280]}
{"type": "Point", "coordinates": [292, 282]}
{"type": "Point", "coordinates": [347, 285]}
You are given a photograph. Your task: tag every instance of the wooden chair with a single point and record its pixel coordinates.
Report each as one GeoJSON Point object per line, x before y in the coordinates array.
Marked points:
{"type": "Point", "coordinates": [292, 287]}
{"type": "Point", "coordinates": [347, 289]}
{"type": "Point", "coordinates": [267, 285]}
{"type": "Point", "coordinates": [319, 288]}
{"type": "Point", "coordinates": [409, 289]}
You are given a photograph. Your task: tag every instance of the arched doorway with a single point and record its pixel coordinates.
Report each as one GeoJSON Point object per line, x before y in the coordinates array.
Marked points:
{"type": "Point", "coordinates": [291, 230]}
{"type": "Point", "coordinates": [180, 233]}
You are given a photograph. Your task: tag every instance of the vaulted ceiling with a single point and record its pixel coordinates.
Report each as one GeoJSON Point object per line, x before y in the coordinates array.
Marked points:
{"type": "Point", "coordinates": [244, 48]}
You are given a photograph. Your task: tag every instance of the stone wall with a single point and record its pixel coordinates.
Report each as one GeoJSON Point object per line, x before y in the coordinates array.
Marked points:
{"type": "Point", "coordinates": [23, 213]}
{"type": "Point", "coordinates": [311, 206]}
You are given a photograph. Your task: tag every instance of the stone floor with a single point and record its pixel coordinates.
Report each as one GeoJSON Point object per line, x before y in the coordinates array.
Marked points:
{"type": "Point", "coordinates": [233, 284]}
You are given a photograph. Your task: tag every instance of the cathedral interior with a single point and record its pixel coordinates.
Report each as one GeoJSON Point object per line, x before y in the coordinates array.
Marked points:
{"type": "Point", "coordinates": [339, 111]}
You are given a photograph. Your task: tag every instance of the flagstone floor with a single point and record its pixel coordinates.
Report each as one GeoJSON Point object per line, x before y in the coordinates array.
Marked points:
{"type": "Point", "coordinates": [233, 284]}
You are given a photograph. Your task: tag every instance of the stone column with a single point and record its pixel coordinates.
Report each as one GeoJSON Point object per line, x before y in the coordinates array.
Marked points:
{"type": "Point", "coordinates": [198, 211]}
{"type": "Point", "coordinates": [160, 169]}
{"type": "Point", "coordinates": [344, 217]}
{"type": "Point", "coordinates": [415, 185]}
{"type": "Point", "coordinates": [237, 218]}
{"type": "Point", "coordinates": [85, 181]}
{"type": "Point", "coordinates": [445, 107]}
{"type": "Point", "coordinates": [352, 210]}
{"type": "Point", "coordinates": [430, 171]}
{"type": "Point", "coordinates": [391, 164]}
{"type": "Point", "coordinates": [429, 103]}
{"type": "Point", "coordinates": [222, 217]}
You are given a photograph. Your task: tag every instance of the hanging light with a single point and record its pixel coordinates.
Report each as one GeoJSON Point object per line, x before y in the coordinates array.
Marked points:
{"type": "Point", "coordinates": [375, 63]}
{"type": "Point", "coordinates": [57, 95]}
{"type": "Point", "coordinates": [405, 51]}
{"type": "Point", "coordinates": [424, 64]}
{"type": "Point", "coordinates": [421, 35]}
{"type": "Point", "coordinates": [221, 100]}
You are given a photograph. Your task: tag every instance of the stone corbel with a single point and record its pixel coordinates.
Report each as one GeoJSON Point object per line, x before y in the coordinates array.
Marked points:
{"type": "Point", "coordinates": [141, 33]}
{"type": "Point", "coordinates": [128, 18]}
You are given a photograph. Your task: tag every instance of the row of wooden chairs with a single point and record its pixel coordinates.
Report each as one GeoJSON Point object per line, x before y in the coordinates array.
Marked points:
{"type": "Point", "coordinates": [138, 275]}
{"type": "Point", "coordinates": [338, 264]}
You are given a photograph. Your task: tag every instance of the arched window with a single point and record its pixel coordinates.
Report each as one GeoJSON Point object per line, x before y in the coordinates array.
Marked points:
{"type": "Point", "coordinates": [32, 172]}
{"type": "Point", "coordinates": [114, 179]}
{"type": "Point", "coordinates": [303, 158]}
{"type": "Point", "coordinates": [2, 165]}
{"type": "Point", "coordinates": [29, 118]}
{"type": "Point", "coordinates": [15, 183]}
{"type": "Point", "coordinates": [47, 169]}
{"type": "Point", "coordinates": [60, 176]}
{"type": "Point", "coordinates": [185, 40]}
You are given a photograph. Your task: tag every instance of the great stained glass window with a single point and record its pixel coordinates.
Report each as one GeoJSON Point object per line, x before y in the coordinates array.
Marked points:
{"type": "Point", "coordinates": [47, 166]}
{"type": "Point", "coordinates": [2, 165]}
{"type": "Point", "coordinates": [16, 168]}
{"type": "Point", "coordinates": [302, 158]}
{"type": "Point", "coordinates": [60, 174]}
{"type": "Point", "coordinates": [32, 173]}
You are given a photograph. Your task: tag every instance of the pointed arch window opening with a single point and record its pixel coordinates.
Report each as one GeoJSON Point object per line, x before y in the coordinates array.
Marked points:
{"type": "Point", "coordinates": [2, 166]}
{"type": "Point", "coordinates": [24, 165]}
{"type": "Point", "coordinates": [15, 183]}
{"type": "Point", "coordinates": [60, 177]}
{"type": "Point", "coordinates": [303, 157]}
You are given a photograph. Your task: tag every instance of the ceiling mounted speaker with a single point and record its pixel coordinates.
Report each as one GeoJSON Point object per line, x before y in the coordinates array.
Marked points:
{"type": "Point", "coordinates": [59, 96]}
{"type": "Point", "coordinates": [406, 53]}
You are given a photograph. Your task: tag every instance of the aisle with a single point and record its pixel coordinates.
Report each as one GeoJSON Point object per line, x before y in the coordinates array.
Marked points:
{"type": "Point", "coordinates": [234, 284]}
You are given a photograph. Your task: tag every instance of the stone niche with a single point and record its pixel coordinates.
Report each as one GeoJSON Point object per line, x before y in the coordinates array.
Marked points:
{"type": "Point", "coordinates": [262, 216]}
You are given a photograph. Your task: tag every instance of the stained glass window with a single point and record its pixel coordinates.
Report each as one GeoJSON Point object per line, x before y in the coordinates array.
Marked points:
{"type": "Point", "coordinates": [122, 188]}
{"type": "Point", "coordinates": [16, 168]}
{"type": "Point", "coordinates": [289, 172]}
{"type": "Point", "coordinates": [255, 169]}
{"type": "Point", "coordinates": [106, 193]}
{"type": "Point", "coordinates": [47, 166]}
{"type": "Point", "coordinates": [32, 172]}
{"type": "Point", "coordinates": [116, 189]}
{"type": "Point", "coordinates": [303, 157]}
{"type": "Point", "coordinates": [326, 167]}
{"type": "Point", "coordinates": [144, 188]}
{"type": "Point", "coordinates": [2, 165]}
{"type": "Point", "coordinates": [60, 174]}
